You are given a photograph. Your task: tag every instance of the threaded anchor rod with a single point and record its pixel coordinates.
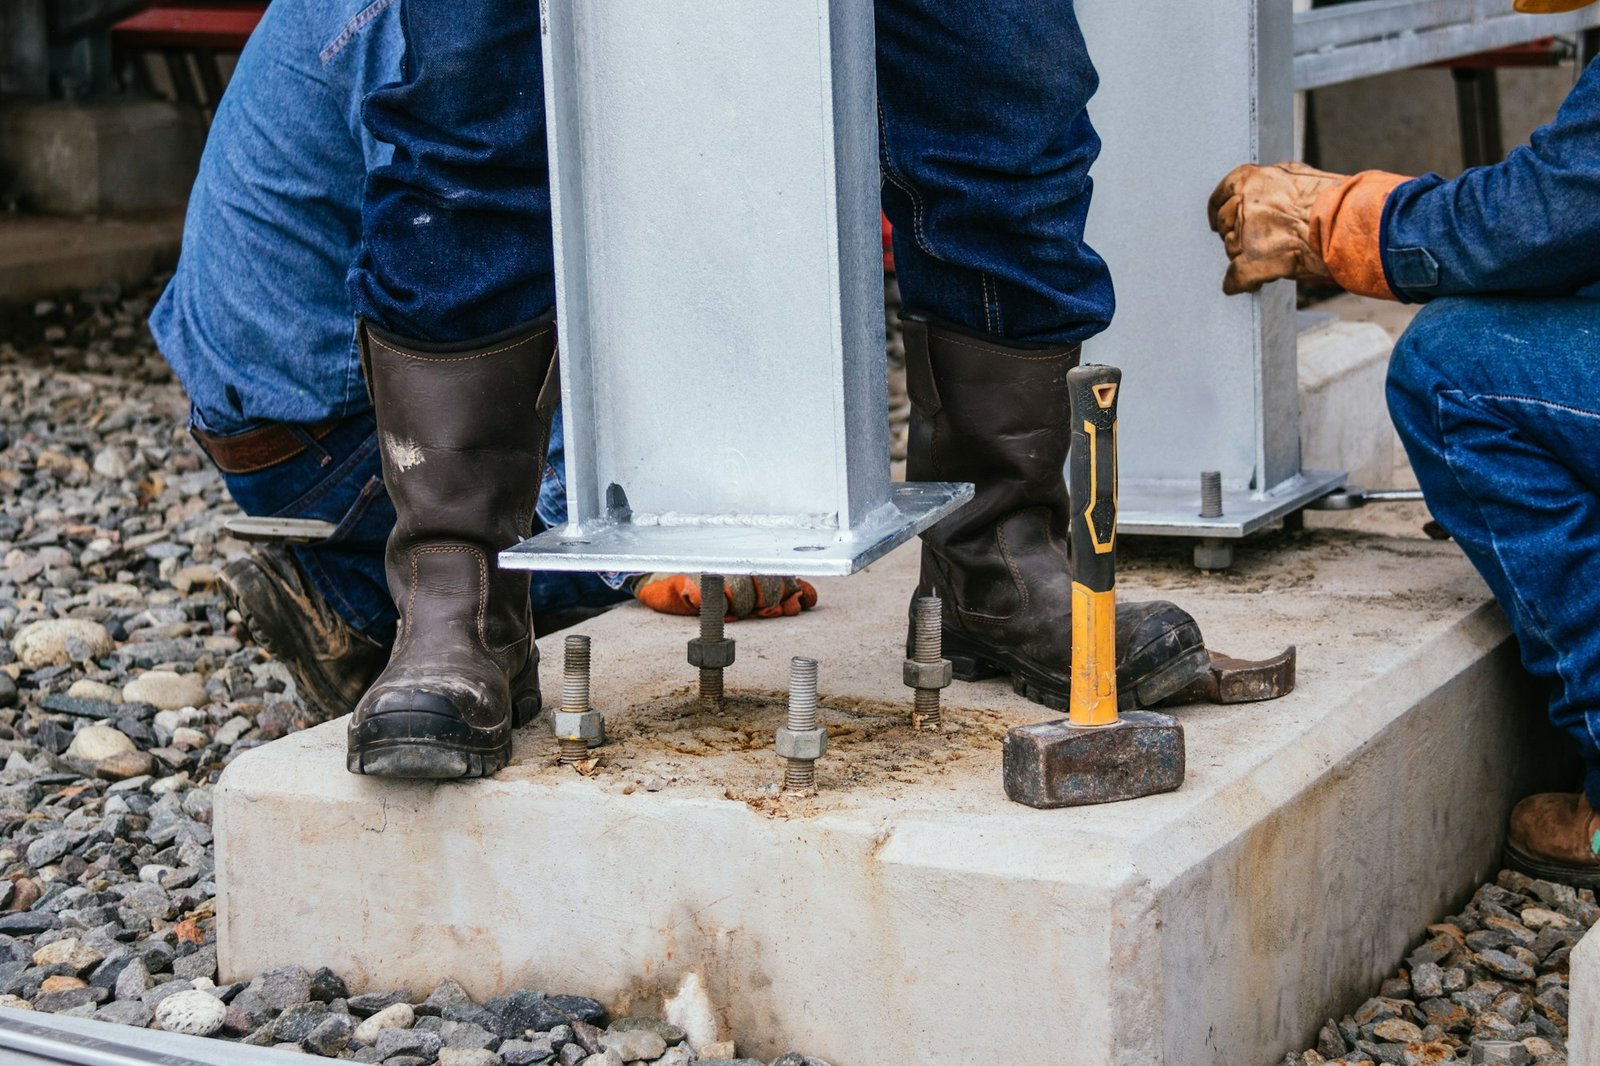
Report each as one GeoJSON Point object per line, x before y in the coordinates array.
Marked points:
{"type": "Point", "coordinates": [927, 646]}
{"type": "Point", "coordinates": [713, 606]}
{"type": "Point", "coordinates": [574, 693]}
{"type": "Point", "coordinates": [575, 675]}
{"type": "Point", "coordinates": [801, 774]}
{"type": "Point", "coordinates": [1211, 494]}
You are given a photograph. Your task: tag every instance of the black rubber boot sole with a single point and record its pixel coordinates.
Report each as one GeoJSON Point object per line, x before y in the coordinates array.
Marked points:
{"type": "Point", "coordinates": [970, 661]}
{"type": "Point", "coordinates": [433, 743]}
{"type": "Point", "coordinates": [1545, 870]}
{"type": "Point", "coordinates": [276, 620]}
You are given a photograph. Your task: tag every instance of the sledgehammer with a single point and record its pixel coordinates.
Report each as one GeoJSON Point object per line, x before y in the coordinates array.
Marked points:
{"type": "Point", "coordinates": [1094, 755]}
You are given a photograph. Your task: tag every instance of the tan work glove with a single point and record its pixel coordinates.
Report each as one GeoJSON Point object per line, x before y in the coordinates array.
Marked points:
{"type": "Point", "coordinates": [1263, 215]}
{"type": "Point", "coordinates": [1294, 221]}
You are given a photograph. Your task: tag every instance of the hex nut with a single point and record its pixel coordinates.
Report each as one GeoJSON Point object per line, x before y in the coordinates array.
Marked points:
{"type": "Point", "coordinates": [928, 675]}
{"type": "Point", "coordinates": [808, 744]}
{"type": "Point", "coordinates": [590, 726]}
{"type": "Point", "coordinates": [1213, 554]}
{"type": "Point", "coordinates": [711, 654]}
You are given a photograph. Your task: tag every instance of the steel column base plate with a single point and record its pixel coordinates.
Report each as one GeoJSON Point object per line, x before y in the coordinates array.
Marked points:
{"type": "Point", "coordinates": [702, 548]}
{"type": "Point", "coordinates": [1170, 509]}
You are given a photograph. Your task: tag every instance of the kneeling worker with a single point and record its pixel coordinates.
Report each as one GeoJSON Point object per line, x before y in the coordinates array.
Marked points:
{"type": "Point", "coordinates": [1494, 387]}
{"type": "Point", "coordinates": [258, 325]}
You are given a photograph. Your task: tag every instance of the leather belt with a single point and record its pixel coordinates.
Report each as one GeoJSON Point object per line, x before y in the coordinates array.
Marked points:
{"type": "Point", "coordinates": [259, 448]}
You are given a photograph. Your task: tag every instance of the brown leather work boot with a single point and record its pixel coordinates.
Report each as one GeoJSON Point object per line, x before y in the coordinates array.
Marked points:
{"type": "Point", "coordinates": [1556, 836]}
{"type": "Point", "coordinates": [332, 664]}
{"type": "Point", "coordinates": [997, 415]}
{"type": "Point", "coordinates": [462, 430]}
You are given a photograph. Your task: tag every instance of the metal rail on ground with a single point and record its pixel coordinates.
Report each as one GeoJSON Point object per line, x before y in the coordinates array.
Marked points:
{"type": "Point", "coordinates": [28, 1038]}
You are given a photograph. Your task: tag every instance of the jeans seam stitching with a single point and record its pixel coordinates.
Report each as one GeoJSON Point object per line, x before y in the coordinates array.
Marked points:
{"type": "Point", "coordinates": [370, 491]}
{"type": "Point", "coordinates": [895, 178]}
{"type": "Point", "coordinates": [309, 444]}
{"type": "Point", "coordinates": [335, 477]}
{"type": "Point", "coordinates": [352, 377]}
{"type": "Point", "coordinates": [1511, 398]}
{"type": "Point", "coordinates": [351, 28]}
{"type": "Point", "coordinates": [1494, 542]}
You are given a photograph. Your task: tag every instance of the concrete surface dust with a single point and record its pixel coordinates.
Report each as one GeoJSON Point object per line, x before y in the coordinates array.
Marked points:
{"type": "Point", "coordinates": [671, 742]}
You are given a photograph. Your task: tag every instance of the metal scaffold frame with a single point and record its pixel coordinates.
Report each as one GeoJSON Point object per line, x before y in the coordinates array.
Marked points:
{"type": "Point", "coordinates": [1349, 41]}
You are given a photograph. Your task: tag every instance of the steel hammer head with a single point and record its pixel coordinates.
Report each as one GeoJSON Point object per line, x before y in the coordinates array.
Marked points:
{"type": "Point", "coordinates": [1057, 764]}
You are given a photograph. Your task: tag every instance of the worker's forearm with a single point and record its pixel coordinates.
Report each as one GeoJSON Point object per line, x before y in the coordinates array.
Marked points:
{"type": "Point", "coordinates": [1528, 225]}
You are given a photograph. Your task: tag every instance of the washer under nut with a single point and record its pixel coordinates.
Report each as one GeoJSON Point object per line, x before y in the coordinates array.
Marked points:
{"type": "Point", "coordinates": [809, 744]}
{"type": "Point", "coordinates": [589, 727]}
{"type": "Point", "coordinates": [710, 654]}
{"type": "Point", "coordinates": [928, 675]}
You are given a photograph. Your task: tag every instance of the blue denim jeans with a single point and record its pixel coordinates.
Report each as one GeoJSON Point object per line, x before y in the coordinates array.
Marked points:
{"type": "Point", "coordinates": [456, 239]}
{"type": "Point", "coordinates": [339, 479]}
{"type": "Point", "coordinates": [1498, 404]}
{"type": "Point", "coordinates": [985, 148]}
{"type": "Point", "coordinates": [257, 321]}
{"type": "Point", "coordinates": [985, 145]}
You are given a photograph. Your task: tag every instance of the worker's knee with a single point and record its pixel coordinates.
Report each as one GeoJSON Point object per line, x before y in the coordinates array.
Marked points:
{"type": "Point", "coordinates": [1491, 345]}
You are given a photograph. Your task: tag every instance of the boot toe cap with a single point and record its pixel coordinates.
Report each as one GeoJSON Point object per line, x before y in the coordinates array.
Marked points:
{"type": "Point", "coordinates": [1156, 627]}
{"type": "Point", "coordinates": [418, 733]}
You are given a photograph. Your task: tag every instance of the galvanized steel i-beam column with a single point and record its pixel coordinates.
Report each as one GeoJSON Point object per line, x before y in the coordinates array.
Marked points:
{"type": "Point", "coordinates": [1189, 91]}
{"type": "Point", "coordinates": [719, 290]}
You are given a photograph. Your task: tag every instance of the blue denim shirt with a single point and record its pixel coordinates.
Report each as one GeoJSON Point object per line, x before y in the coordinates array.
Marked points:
{"type": "Point", "coordinates": [1529, 225]}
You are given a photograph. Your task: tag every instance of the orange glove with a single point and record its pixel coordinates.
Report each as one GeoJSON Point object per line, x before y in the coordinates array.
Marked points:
{"type": "Point", "coordinates": [1294, 221]}
{"type": "Point", "coordinates": [760, 597]}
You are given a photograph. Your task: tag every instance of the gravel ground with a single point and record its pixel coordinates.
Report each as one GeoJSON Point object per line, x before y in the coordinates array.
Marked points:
{"type": "Point", "coordinates": [126, 687]}
{"type": "Point", "coordinates": [1488, 985]}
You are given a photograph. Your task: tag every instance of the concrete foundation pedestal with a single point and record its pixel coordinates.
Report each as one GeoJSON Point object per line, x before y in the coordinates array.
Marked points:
{"type": "Point", "coordinates": [1583, 1044]}
{"type": "Point", "coordinates": [908, 914]}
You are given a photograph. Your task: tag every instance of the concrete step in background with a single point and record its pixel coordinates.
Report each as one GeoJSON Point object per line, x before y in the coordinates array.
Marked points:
{"type": "Point", "coordinates": [48, 255]}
